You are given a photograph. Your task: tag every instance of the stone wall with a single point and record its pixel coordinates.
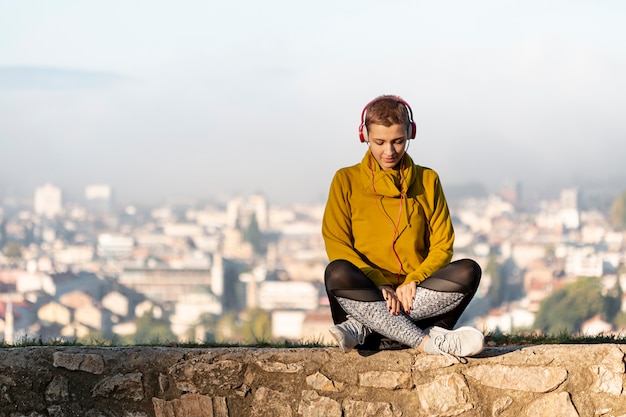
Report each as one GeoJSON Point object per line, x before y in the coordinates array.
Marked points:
{"type": "Point", "coordinates": [549, 380]}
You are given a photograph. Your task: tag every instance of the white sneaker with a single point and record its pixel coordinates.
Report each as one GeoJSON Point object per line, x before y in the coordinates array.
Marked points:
{"type": "Point", "coordinates": [349, 334]}
{"type": "Point", "coordinates": [464, 341]}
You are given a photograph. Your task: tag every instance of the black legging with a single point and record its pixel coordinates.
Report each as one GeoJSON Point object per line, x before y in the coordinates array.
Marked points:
{"type": "Point", "coordinates": [343, 279]}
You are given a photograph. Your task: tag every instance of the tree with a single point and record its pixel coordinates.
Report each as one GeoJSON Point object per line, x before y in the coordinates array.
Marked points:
{"type": "Point", "coordinates": [227, 328]}
{"type": "Point", "coordinates": [617, 217]}
{"type": "Point", "coordinates": [567, 308]}
{"type": "Point", "coordinates": [506, 281]}
{"type": "Point", "coordinates": [254, 235]}
{"type": "Point", "coordinates": [3, 231]}
{"type": "Point", "coordinates": [257, 327]}
{"type": "Point", "coordinates": [207, 324]}
{"type": "Point", "coordinates": [495, 294]}
{"type": "Point", "coordinates": [151, 329]}
{"type": "Point", "coordinates": [13, 250]}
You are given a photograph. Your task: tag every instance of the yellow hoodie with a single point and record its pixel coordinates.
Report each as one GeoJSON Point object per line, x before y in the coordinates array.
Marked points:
{"type": "Point", "coordinates": [368, 207]}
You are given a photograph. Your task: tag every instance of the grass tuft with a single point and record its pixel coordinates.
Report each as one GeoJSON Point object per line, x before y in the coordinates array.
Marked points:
{"type": "Point", "coordinates": [492, 339]}
{"type": "Point", "coordinates": [560, 338]}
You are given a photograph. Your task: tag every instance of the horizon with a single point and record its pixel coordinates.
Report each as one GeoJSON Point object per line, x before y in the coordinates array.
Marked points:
{"type": "Point", "coordinates": [455, 193]}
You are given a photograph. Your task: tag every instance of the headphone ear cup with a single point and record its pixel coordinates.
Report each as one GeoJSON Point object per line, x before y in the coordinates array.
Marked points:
{"type": "Point", "coordinates": [412, 130]}
{"type": "Point", "coordinates": [363, 132]}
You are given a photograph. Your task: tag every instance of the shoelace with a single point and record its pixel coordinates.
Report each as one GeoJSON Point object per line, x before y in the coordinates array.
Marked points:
{"type": "Point", "coordinates": [358, 329]}
{"type": "Point", "coordinates": [449, 345]}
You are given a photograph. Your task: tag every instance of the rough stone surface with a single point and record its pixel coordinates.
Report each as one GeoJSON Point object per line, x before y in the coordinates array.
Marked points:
{"type": "Point", "coordinates": [549, 380]}
{"type": "Point", "coordinates": [270, 403]}
{"type": "Point", "coordinates": [500, 404]}
{"type": "Point", "coordinates": [57, 390]}
{"type": "Point", "coordinates": [555, 404]}
{"type": "Point", "coordinates": [447, 395]}
{"type": "Point", "coordinates": [198, 376]}
{"type": "Point", "coordinates": [79, 362]}
{"type": "Point", "coordinates": [320, 382]}
{"type": "Point", "coordinates": [189, 405]}
{"type": "Point", "coordinates": [385, 379]}
{"type": "Point", "coordinates": [368, 409]}
{"type": "Point", "coordinates": [120, 387]}
{"type": "Point", "coordinates": [606, 380]}
{"type": "Point", "coordinates": [314, 405]}
{"type": "Point", "coordinates": [521, 378]}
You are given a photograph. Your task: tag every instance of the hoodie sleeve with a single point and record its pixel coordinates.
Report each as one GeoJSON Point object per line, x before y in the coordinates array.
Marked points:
{"type": "Point", "coordinates": [337, 229]}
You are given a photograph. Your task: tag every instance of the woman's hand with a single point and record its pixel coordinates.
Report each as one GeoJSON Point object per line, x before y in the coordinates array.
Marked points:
{"type": "Point", "coordinates": [393, 303]}
{"type": "Point", "coordinates": [406, 295]}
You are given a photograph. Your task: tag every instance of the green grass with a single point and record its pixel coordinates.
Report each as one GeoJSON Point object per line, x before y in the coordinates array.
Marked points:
{"type": "Point", "coordinates": [60, 341]}
{"type": "Point", "coordinates": [493, 339]}
{"type": "Point", "coordinates": [561, 338]}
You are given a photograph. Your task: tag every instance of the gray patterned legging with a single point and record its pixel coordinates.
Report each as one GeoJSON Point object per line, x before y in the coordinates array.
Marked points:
{"type": "Point", "coordinates": [440, 300]}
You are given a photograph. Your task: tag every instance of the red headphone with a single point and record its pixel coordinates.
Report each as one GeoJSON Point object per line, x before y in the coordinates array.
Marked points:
{"type": "Point", "coordinates": [412, 129]}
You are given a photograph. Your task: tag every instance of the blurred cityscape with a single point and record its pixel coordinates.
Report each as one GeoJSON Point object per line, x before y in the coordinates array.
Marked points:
{"type": "Point", "coordinates": [246, 271]}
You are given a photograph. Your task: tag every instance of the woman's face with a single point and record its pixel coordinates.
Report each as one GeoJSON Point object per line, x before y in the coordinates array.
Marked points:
{"type": "Point", "coordinates": [387, 144]}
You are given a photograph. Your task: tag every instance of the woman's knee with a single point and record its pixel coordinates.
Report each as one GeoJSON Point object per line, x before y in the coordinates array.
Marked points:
{"type": "Point", "coordinates": [337, 271]}
{"type": "Point", "coordinates": [344, 279]}
{"type": "Point", "coordinates": [472, 272]}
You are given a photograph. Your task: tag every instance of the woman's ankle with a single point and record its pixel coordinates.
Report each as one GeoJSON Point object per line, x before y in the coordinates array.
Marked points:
{"type": "Point", "coordinates": [421, 346]}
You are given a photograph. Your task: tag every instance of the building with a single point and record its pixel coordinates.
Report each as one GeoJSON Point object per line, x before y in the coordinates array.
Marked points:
{"type": "Point", "coordinates": [54, 312]}
{"type": "Point", "coordinates": [287, 295]}
{"type": "Point", "coordinates": [114, 245]}
{"type": "Point", "coordinates": [239, 212]}
{"type": "Point", "coordinates": [189, 310]}
{"type": "Point", "coordinates": [511, 191]}
{"type": "Point", "coordinates": [166, 284]}
{"type": "Point", "coordinates": [99, 198]}
{"type": "Point", "coordinates": [570, 215]}
{"type": "Point", "coordinates": [48, 202]}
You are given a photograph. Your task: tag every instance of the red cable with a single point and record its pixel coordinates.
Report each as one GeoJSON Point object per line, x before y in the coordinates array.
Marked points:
{"type": "Point", "coordinates": [395, 225]}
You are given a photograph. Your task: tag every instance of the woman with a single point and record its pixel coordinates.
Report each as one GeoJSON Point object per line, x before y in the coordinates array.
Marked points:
{"type": "Point", "coordinates": [389, 239]}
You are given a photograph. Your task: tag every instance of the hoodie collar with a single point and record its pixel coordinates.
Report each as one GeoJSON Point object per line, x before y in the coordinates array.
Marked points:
{"type": "Point", "coordinates": [387, 183]}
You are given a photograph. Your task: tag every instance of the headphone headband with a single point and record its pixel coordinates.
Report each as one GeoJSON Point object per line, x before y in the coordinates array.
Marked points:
{"type": "Point", "coordinates": [411, 130]}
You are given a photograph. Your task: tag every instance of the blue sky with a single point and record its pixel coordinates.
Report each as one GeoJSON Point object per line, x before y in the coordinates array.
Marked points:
{"type": "Point", "coordinates": [197, 99]}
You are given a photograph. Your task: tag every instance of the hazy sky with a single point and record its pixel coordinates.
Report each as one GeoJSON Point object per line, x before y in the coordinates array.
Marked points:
{"type": "Point", "coordinates": [201, 98]}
